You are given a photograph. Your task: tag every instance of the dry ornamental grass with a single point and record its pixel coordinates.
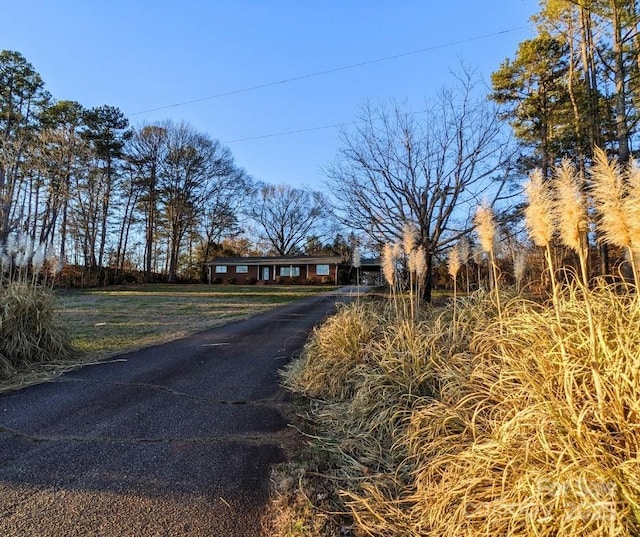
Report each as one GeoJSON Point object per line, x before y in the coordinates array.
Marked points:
{"type": "Point", "coordinates": [496, 415]}
{"type": "Point", "coordinates": [499, 430]}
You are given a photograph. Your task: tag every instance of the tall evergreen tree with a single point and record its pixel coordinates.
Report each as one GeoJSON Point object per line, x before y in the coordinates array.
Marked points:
{"type": "Point", "coordinates": [59, 147]}
{"type": "Point", "coordinates": [146, 152]}
{"type": "Point", "coordinates": [22, 99]}
{"type": "Point", "coordinates": [532, 90]}
{"type": "Point", "coordinates": [106, 129]}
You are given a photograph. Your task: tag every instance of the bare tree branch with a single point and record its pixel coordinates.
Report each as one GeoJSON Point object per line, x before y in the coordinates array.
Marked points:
{"type": "Point", "coordinates": [397, 168]}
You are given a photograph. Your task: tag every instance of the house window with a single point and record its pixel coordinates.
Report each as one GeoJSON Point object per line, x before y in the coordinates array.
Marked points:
{"type": "Point", "coordinates": [290, 271]}
{"type": "Point", "coordinates": [242, 269]}
{"type": "Point", "coordinates": [322, 270]}
{"type": "Point", "coordinates": [221, 269]}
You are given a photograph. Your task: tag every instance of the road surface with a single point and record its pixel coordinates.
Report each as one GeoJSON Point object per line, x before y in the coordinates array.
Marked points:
{"type": "Point", "coordinates": [172, 440]}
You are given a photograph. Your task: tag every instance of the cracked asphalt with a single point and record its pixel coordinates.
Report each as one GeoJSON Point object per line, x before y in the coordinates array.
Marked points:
{"type": "Point", "coordinates": [172, 440]}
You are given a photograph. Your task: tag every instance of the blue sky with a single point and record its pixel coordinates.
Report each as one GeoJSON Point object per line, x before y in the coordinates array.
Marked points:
{"type": "Point", "coordinates": [141, 55]}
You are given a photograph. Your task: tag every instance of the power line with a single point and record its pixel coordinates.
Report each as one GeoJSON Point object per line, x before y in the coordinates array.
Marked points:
{"type": "Point", "coordinates": [308, 129]}
{"type": "Point", "coordinates": [284, 133]}
{"type": "Point", "coordinates": [330, 71]}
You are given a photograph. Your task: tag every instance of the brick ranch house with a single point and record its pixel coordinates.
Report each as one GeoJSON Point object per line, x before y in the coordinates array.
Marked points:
{"type": "Point", "coordinates": [284, 269]}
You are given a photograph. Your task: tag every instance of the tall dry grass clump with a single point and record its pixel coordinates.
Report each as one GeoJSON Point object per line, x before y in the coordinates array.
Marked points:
{"type": "Point", "coordinates": [31, 332]}
{"type": "Point", "coordinates": [529, 443]}
{"type": "Point", "coordinates": [486, 428]}
{"type": "Point", "coordinates": [30, 329]}
{"type": "Point", "coordinates": [336, 352]}
{"type": "Point", "coordinates": [501, 417]}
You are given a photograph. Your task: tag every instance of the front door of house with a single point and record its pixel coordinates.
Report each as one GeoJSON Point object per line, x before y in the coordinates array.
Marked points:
{"type": "Point", "coordinates": [265, 273]}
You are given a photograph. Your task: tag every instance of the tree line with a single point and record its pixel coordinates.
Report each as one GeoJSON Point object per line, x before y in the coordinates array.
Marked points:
{"type": "Point", "coordinates": [159, 197]}
{"type": "Point", "coordinates": [87, 182]}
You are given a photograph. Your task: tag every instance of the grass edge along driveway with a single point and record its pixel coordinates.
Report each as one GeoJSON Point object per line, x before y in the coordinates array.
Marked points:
{"type": "Point", "coordinates": [103, 323]}
{"type": "Point", "coordinates": [106, 322]}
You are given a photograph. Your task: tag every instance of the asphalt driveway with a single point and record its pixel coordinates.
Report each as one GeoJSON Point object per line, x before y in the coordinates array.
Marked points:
{"type": "Point", "coordinates": [172, 440]}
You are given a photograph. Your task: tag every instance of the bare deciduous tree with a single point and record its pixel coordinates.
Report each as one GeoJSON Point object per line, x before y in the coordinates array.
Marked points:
{"type": "Point", "coordinates": [194, 169]}
{"type": "Point", "coordinates": [286, 216]}
{"type": "Point", "coordinates": [429, 169]}
{"type": "Point", "coordinates": [221, 211]}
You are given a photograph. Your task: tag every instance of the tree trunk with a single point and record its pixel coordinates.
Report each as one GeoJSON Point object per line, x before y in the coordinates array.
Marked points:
{"type": "Point", "coordinates": [150, 231]}
{"type": "Point", "coordinates": [590, 78]}
{"type": "Point", "coordinates": [63, 227]}
{"type": "Point", "coordinates": [106, 199]}
{"type": "Point", "coordinates": [593, 110]}
{"type": "Point", "coordinates": [428, 280]}
{"type": "Point", "coordinates": [622, 128]}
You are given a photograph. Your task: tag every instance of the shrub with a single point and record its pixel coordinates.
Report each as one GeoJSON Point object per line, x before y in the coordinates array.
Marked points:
{"type": "Point", "coordinates": [252, 281]}
{"type": "Point", "coordinates": [31, 332]}
{"type": "Point", "coordinates": [230, 281]}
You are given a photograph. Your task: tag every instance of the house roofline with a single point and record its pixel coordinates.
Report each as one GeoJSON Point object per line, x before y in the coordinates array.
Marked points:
{"type": "Point", "coordinates": [277, 260]}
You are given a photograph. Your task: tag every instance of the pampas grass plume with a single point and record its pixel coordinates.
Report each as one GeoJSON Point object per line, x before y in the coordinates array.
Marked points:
{"type": "Point", "coordinates": [417, 261]}
{"type": "Point", "coordinates": [478, 254]}
{"type": "Point", "coordinates": [5, 262]}
{"type": "Point", "coordinates": [540, 209]}
{"type": "Point", "coordinates": [608, 193]}
{"type": "Point", "coordinates": [389, 263]}
{"type": "Point", "coordinates": [29, 249]}
{"type": "Point", "coordinates": [397, 251]}
{"type": "Point", "coordinates": [21, 260]}
{"type": "Point", "coordinates": [485, 227]}
{"type": "Point", "coordinates": [57, 266]}
{"type": "Point", "coordinates": [571, 207]}
{"type": "Point", "coordinates": [420, 263]}
{"type": "Point", "coordinates": [409, 238]}
{"type": "Point", "coordinates": [357, 258]}
{"type": "Point", "coordinates": [38, 258]}
{"type": "Point", "coordinates": [22, 241]}
{"type": "Point", "coordinates": [11, 245]}
{"type": "Point", "coordinates": [464, 249]}
{"type": "Point", "coordinates": [519, 267]}
{"type": "Point", "coordinates": [454, 261]}
{"type": "Point", "coordinates": [50, 256]}
{"type": "Point", "coordinates": [632, 207]}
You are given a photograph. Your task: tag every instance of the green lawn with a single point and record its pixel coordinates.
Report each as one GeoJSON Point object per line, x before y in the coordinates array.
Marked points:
{"type": "Point", "coordinates": [104, 322]}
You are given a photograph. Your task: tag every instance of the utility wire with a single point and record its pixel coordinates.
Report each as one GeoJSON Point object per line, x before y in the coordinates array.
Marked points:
{"type": "Point", "coordinates": [308, 129]}
{"type": "Point", "coordinates": [274, 134]}
{"type": "Point", "coordinates": [329, 71]}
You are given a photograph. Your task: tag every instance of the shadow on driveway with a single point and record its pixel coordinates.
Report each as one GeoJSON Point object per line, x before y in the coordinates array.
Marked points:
{"type": "Point", "coordinates": [177, 440]}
